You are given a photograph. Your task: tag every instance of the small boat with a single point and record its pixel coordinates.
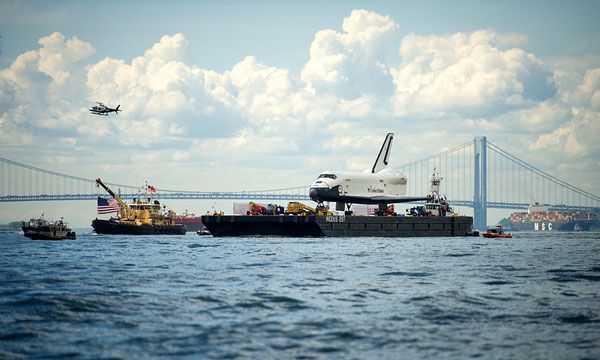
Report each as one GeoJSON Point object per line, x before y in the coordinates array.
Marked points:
{"type": "Point", "coordinates": [472, 232]}
{"type": "Point", "coordinates": [496, 232]}
{"type": "Point", "coordinates": [41, 229]}
{"type": "Point", "coordinates": [203, 231]}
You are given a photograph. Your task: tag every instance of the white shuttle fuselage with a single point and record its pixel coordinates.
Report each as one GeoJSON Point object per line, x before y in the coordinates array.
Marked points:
{"type": "Point", "coordinates": [378, 185]}
{"type": "Point", "coordinates": [359, 188]}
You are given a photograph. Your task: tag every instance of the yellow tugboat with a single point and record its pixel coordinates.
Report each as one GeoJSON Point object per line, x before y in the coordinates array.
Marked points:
{"type": "Point", "coordinates": [142, 217]}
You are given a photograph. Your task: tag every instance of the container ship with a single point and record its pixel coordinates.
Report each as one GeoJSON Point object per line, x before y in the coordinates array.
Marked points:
{"type": "Point", "coordinates": [142, 217]}
{"type": "Point", "coordinates": [541, 218]}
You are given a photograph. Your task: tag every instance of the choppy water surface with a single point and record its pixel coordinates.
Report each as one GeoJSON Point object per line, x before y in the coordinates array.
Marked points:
{"type": "Point", "coordinates": [533, 296]}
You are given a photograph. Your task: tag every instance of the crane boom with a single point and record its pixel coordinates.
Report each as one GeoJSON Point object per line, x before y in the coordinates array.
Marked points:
{"type": "Point", "coordinates": [115, 196]}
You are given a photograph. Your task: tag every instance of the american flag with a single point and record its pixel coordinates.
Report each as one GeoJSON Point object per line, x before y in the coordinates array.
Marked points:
{"type": "Point", "coordinates": [107, 206]}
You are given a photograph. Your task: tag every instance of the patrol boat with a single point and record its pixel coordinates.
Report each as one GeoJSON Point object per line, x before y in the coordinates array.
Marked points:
{"type": "Point", "coordinates": [496, 232]}
{"type": "Point", "coordinates": [142, 217]}
{"type": "Point", "coordinates": [42, 229]}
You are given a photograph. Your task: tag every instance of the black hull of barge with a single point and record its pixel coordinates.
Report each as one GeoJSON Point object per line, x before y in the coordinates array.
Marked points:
{"type": "Point", "coordinates": [337, 226]}
{"type": "Point", "coordinates": [116, 228]}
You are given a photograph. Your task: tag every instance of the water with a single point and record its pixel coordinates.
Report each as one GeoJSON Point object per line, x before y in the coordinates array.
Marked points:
{"type": "Point", "coordinates": [533, 296]}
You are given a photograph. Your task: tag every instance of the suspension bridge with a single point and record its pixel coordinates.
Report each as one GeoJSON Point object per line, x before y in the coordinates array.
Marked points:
{"type": "Point", "coordinates": [477, 174]}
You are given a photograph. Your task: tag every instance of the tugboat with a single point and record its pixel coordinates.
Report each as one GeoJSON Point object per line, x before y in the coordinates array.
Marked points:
{"type": "Point", "coordinates": [41, 229]}
{"type": "Point", "coordinates": [436, 205]}
{"type": "Point", "coordinates": [142, 217]}
{"type": "Point", "coordinates": [496, 232]}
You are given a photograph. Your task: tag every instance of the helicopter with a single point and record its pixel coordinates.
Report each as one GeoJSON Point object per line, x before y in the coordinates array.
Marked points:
{"type": "Point", "coordinates": [101, 109]}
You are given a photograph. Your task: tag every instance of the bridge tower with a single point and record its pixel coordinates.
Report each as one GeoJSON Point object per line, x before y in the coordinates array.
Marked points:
{"type": "Point", "coordinates": [480, 183]}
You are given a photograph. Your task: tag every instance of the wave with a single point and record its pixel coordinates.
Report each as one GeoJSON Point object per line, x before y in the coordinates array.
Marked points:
{"type": "Point", "coordinates": [406, 273]}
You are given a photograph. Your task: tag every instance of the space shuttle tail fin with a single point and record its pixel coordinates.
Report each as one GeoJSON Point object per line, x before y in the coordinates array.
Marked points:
{"type": "Point", "coordinates": [384, 154]}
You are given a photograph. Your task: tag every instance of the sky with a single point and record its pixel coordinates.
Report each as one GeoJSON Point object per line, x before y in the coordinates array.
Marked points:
{"type": "Point", "coordinates": [221, 96]}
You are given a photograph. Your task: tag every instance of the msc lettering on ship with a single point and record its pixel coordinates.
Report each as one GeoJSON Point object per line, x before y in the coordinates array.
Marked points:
{"type": "Point", "coordinates": [543, 227]}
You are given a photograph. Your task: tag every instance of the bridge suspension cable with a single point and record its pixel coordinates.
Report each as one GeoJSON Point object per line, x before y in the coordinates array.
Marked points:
{"type": "Point", "coordinates": [59, 186]}
{"type": "Point", "coordinates": [542, 173]}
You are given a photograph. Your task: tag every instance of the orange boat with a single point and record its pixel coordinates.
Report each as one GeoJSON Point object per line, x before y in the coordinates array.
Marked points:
{"type": "Point", "coordinates": [496, 232]}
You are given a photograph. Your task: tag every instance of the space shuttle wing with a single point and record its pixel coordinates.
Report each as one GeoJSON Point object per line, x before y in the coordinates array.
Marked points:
{"type": "Point", "coordinates": [397, 199]}
{"type": "Point", "coordinates": [374, 199]}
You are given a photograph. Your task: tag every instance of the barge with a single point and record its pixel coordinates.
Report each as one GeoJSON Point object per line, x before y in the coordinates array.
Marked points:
{"type": "Point", "coordinates": [434, 218]}
{"type": "Point", "coordinates": [337, 226]}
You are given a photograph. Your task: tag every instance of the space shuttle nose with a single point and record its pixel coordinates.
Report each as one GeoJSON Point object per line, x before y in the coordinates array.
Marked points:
{"type": "Point", "coordinates": [312, 193]}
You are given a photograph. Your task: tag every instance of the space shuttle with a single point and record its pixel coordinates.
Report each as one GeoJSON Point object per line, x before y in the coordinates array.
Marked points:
{"type": "Point", "coordinates": [377, 185]}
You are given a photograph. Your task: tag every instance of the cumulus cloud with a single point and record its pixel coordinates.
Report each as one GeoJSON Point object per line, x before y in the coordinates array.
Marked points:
{"type": "Point", "coordinates": [538, 118]}
{"type": "Point", "coordinates": [351, 63]}
{"type": "Point", "coordinates": [169, 48]}
{"type": "Point", "coordinates": [587, 93]}
{"type": "Point", "coordinates": [57, 55]}
{"type": "Point", "coordinates": [34, 88]}
{"type": "Point", "coordinates": [577, 136]}
{"type": "Point", "coordinates": [578, 139]}
{"type": "Point", "coordinates": [161, 92]}
{"type": "Point", "coordinates": [466, 74]}
{"type": "Point", "coordinates": [263, 93]}
{"type": "Point", "coordinates": [570, 149]}
{"type": "Point", "coordinates": [276, 102]}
